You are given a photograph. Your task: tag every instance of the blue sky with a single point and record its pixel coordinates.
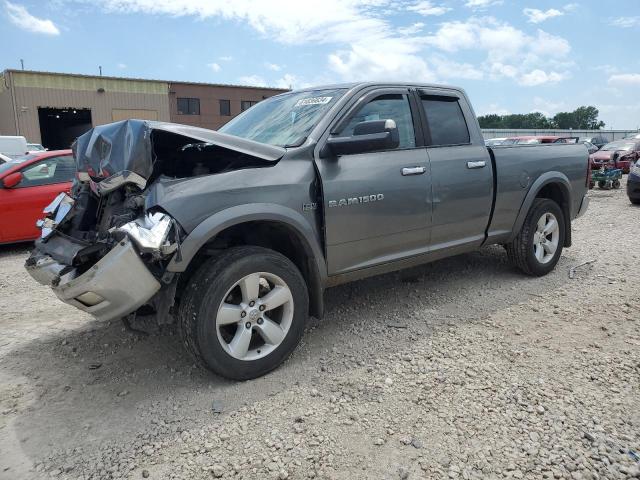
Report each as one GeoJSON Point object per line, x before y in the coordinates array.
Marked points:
{"type": "Point", "coordinates": [511, 56]}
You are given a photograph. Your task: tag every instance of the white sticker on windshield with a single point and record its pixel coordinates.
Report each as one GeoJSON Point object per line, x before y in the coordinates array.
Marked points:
{"type": "Point", "coordinates": [312, 101]}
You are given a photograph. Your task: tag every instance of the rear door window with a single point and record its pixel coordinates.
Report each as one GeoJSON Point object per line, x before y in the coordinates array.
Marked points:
{"type": "Point", "coordinates": [446, 121]}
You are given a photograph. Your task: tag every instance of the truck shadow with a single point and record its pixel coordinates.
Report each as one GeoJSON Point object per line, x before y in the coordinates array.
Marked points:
{"type": "Point", "coordinates": [102, 383]}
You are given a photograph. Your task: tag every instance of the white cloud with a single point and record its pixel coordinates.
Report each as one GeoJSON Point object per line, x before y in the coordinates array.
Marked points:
{"type": "Point", "coordinates": [252, 81]}
{"type": "Point", "coordinates": [510, 52]}
{"type": "Point", "coordinates": [625, 22]}
{"type": "Point", "coordinates": [388, 61]}
{"type": "Point", "coordinates": [365, 44]}
{"type": "Point", "coordinates": [449, 69]}
{"type": "Point", "coordinates": [19, 16]}
{"type": "Point", "coordinates": [273, 66]}
{"type": "Point", "coordinates": [411, 29]}
{"type": "Point", "coordinates": [214, 66]}
{"type": "Point", "coordinates": [538, 16]}
{"type": "Point", "coordinates": [426, 8]}
{"type": "Point", "coordinates": [478, 4]}
{"type": "Point", "coordinates": [288, 81]}
{"type": "Point", "coordinates": [492, 108]}
{"type": "Point", "coordinates": [225, 58]}
{"type": "Point", "coordinates": [122, 66]}
{"type": "Point", "coordinates": [625, 80]}
{"type": "Point", "coordinates": [353, 26]}
{"type": "Point", "coordinates": [540, 77]}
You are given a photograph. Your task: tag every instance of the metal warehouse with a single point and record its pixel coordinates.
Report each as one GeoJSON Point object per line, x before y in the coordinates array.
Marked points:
{"type": "Point", "coordinates": [54, 108]}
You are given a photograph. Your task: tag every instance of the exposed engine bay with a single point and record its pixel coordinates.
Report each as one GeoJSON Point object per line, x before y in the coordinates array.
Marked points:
{"type": "Point", "coordinates": [108, 222]}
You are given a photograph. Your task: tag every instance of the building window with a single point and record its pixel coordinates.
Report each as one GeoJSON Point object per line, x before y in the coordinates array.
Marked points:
{"type": "Point", "coordinates": [225, 108]}
{"type": "Point", "coordinates": [188, 106]}
{"type": "Point", "coordinates": [246, 104]}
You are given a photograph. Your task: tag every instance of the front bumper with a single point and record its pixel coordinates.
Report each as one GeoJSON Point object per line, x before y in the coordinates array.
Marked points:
{"type": "Point", "coordinates": [118, 284]}
{"type": "Point", "coordinates": [583, 206]}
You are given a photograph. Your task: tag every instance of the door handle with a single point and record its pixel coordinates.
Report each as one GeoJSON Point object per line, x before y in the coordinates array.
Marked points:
{"type": "Point", "coordinates": [413, 171]}
{"type": "Point", "coordinates": [480, 164]}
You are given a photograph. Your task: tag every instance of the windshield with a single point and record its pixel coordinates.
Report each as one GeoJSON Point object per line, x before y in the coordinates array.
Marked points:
{"type": "Point", "coordinates": [285, 120]}
{"type": "Point", "coordinates": [12, 163]}
{"type": "Point", "coordinates": [613, 146]}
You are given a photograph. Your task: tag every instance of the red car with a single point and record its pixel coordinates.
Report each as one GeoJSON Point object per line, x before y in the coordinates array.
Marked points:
{"type": "Point", "coordinates": [27, 185]}
{"type": "Point", "coordinates": [619, 154]}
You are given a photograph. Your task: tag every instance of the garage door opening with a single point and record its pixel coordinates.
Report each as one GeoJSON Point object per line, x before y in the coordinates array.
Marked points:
{"type": "Point", "coordinates": [59, 127]}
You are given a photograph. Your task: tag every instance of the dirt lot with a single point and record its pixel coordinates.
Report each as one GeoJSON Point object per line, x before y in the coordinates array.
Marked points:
{"type": "Point", "coordinates": [459, 369]}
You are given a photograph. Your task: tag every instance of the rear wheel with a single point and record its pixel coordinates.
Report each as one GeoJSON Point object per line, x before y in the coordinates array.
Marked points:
{"type": "Point", "coordinates": [244, 312]}
{"type": "Point", "coordinates": [616, 184]}
{"type": "Point", "coordinates": [602, 184]}
{"type": "Point", "coordinates": [537, 247]}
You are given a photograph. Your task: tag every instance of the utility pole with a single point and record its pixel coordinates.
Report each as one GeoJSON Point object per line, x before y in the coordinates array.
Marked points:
{"type": "Point", "coordinates": [22, 63]}
{"type": "Point", "coordinates": [100, 68]}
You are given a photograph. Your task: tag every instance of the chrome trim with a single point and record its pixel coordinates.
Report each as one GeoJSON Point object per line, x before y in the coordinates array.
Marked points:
{"type": "Point", "coordinates": [480, 164]}
{"type": "Point", "coordinates": [413, 171]}
{"type": "Point", "coordinates": [150, 233]}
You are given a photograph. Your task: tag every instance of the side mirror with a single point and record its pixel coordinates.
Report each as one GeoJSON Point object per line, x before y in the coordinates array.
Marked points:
{"type": "Point", "coordinates": [12, 180]}
{"type": "Point", "coordinates": [367, 137]}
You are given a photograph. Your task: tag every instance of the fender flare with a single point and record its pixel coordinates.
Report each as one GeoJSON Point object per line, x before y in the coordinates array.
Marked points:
{"type": "Point", "coordinates": [216, 223]}
{"type": "Point", "coordinates": [543, 180]}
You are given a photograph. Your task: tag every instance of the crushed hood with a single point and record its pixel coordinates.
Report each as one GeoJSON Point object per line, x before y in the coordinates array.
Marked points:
{"type": "Point", "coordinates": [126, 149]}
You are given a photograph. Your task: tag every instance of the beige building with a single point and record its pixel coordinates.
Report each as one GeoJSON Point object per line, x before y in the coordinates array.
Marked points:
{"type": "Point", "coordinates": [54, 108]}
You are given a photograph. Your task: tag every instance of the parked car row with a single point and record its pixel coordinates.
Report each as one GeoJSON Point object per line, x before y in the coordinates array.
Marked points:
{"type": "Point", "coordinates": [607, 160]}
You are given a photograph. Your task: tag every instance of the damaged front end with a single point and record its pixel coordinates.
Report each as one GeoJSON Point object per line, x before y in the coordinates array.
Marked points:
{"type": "Point", "coordinates": [105, 248]}
{"type": "Point", "coordinates": [103, 254]}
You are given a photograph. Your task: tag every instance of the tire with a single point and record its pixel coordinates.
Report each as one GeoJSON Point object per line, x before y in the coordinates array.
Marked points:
{"type": "Point", "coordinates": [602, 184]}
{"type": "Point", "coordinates": [522, 250]}
{"type": "Point", "coordinates": [224, 290]}
{"type": "Point", "coordinates": [616, 184]}
{"type": "Point", "coordinates": [635, 201]}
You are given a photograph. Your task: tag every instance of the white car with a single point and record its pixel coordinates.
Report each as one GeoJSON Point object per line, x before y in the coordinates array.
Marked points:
{"type": "Point", "coordinates": [492, 142]}
{"type": "Point", "coordinates": [13, 146]}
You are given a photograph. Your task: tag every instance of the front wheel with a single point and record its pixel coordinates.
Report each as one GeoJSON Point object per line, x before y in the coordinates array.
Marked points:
{"type": "Point", "coordinates": [244, 312]}
{"type": "Point", "coordinates": [537, 247]}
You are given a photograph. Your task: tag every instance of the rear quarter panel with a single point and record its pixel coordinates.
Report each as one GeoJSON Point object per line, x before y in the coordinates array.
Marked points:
{"type": "Point", "coordinates": [522, 170]}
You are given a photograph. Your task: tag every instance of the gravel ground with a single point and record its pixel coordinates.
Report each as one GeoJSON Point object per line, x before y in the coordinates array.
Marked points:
{"type": "Point", "coordinates": [463, 368]}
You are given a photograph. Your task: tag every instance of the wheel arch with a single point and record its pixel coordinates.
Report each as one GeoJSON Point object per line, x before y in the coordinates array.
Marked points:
{"type": "Point", "coordinates": [271, 226]}
{"type": "Point", "coordinates": [554, 186]}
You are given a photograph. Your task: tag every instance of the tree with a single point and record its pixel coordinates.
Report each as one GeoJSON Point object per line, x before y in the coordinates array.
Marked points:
{"type": "Point", "coordinates": [582, 118]}
{"type": "Point", "coordinates": [515, 120]}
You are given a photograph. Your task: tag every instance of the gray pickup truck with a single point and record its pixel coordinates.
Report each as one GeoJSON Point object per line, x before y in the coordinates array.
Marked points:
{"type": "Point", "coordinates": [236, 234]}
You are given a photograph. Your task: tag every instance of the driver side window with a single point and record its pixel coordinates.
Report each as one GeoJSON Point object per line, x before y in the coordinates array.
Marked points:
{"type": "Point", "coordinates": [49, 171]}
{"type": "Point", "coordinates": [384, 107]}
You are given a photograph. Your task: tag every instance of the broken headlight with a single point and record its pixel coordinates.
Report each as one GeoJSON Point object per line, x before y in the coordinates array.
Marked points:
{"type": "Point", "coordinates": [152, 233]}
{"type": "Point", "coordinates": [55, 213]}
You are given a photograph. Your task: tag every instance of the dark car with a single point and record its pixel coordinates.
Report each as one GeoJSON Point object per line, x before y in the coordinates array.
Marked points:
{"type": "Point", "coordinates": [234, 234]}
{"type": "Point", "coordinates": [633, 183]}
{"type": "Point", "coordinates": [599, 141]}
